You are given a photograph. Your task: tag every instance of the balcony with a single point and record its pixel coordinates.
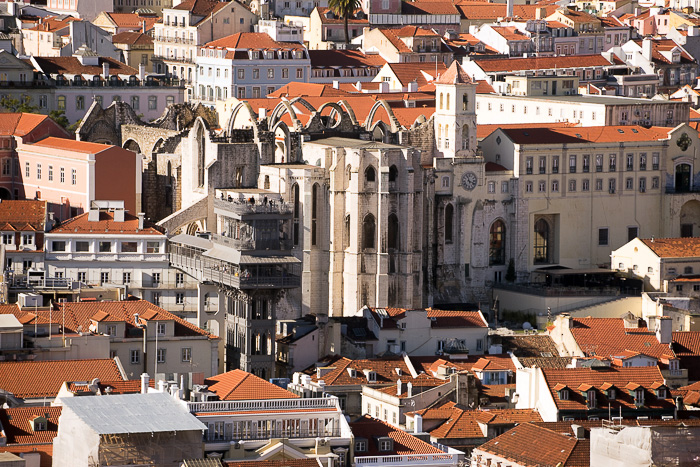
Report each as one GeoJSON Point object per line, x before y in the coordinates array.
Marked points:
{"type": "Point", "coordinates": [254, 434]}
{"type": "Point", "coordinates": [161, 58]}
{"type": "Point", "coordinates": [175, 40]}
{"type": "Point", "coordinates": [242, 207]}
{"type": "Point", "coordinates": [410, 459]}
{"type": "Point", "coordinates": [330, 403]}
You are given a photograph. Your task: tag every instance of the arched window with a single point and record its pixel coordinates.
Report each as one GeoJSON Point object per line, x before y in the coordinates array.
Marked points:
{"type": "Point", "coordinates": [393, 173]}
{"type": "Point", "coordinates": [297, 214]}
{"type": "Point", "coordinates": [200, 157]}
{"type": "Point", "coordinates": [370, 174]}
{"type": "Point", "coordinates": [440, 101]}
{"type": "Point", "coordinates": [449, 217]}
{"type": "Point", "coordinates": [497, 243]}
{"type": "Point", "coordinates": [393, 233]}
{"type": "Point", "coordinates": [447, 102]}
{"type": "Point", "coordinates": [347, 231]}
{"type": "Point", "coordinates": [465, 101]}
{"type": "Point", "coordinates": [465, 137]}
{"type": "Point", "coordinates": [447, 136]}
{"type": "Point", "coordinates": [439, 136]}
{"type": "Point", "coordinates": [314, 211]}
{"type": "Point", "coordinates": [368, 232]}
{"type": "Point", "coordinates": [266, 183]}
{"type": "Point", "coordinates": [541, 241]}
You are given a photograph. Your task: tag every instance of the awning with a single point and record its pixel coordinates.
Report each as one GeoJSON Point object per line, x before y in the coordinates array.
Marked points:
{"type": "Point", "coordinates": [191, 240]}
{"type": "Point", "coordinates": [223, 253]}
{"type": "Point", "coordinates": [248, 259]}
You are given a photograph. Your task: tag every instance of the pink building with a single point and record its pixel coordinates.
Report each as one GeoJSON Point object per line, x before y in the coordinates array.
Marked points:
{"type": "Point", "coordinates": [70, 174]}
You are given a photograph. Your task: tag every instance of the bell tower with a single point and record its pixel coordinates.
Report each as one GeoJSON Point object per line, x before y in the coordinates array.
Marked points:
{"type": "Point", "coordinates": [455, 113]}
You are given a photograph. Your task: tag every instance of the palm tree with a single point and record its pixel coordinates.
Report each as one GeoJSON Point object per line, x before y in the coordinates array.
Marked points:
{"type": "Point", "coordinates": [345, 9]}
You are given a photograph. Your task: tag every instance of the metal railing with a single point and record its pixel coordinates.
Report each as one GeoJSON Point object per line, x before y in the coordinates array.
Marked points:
{"type": "Point", "coordinates": [410, 459]}
{"type": "Point", "coordinates": [239, 206]}
{"type": "Point", "coordinates": [271, 404]}
{"type": "Point", "coordinates": [212, 437]}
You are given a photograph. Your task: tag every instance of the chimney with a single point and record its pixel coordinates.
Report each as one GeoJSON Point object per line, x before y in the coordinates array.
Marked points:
{"type": "Point", "coordinates": [335, 84]}
{"type": "Point", "coordinates": [413, 86]}
{"type": "Point", "coordinates": [409, 390]}
{"type": "Point", "coordinates": [637, 11]}
{"type": "Point", "coordinates": [398, 387]}
{"type": "Point", "coordinates": [162, 386]}
{"type": "Point", "coordinates": [105, 70]}
{"type": "Point", "coordinates": [579, 431]}
{"type": "Point", "coordinates": [142, 72]}
{"type": "Point", "coordinates": [540, 13]}
{"type": "Point", "coordinates": [693, 31]}
{"type": "Point", "coordinates": [143, 27]}
{"type": "Point", "coordinates": [141, 216]}
{"type": "Point", "coordinates": [417, 424]}
{"type": "Point", "coordinates": [144, 383]}
{"type": "Point", "coordinates": [647, 48]}
{"type": "Point", "coordinates": [664, 329]}
{"type": "Point", "coordinates": [509, 8]}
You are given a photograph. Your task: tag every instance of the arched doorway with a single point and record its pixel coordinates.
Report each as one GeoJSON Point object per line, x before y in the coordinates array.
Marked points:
{"type": "Point", "coordinates": [132, 145]}
{"type": "Point", "coordinates": [5, 194]}
{"type": "Point", "coordinates": [690, 219]}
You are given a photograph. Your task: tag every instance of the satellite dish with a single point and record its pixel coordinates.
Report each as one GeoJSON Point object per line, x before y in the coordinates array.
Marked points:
{"type": "Point", "coordinates": [527, 326]}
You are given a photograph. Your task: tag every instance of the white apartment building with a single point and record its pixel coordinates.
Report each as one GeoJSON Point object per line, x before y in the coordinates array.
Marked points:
{"type": "Point", "coordinates": [248, 65]}
{"type": "Point", "coordinates": [109, 246]}
{"type": "Point", "coordinates": [191, 24]}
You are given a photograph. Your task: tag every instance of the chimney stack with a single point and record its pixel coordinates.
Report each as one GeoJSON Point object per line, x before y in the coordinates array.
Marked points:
{"type": "Point", "coordinates": [664, 329]}
{"type": "Point", "coordinates": [647, 48]}
{"type": "Point", "coordinates": [144, 383]}
{"type": "Point", "coordinates": [105, 70]}
{"type": "Point", "coordinates": [398, 387]}
{"type": "Point", "coordinates": [143, 27]}
{"type": "Point", "coordinates": [417, 424]}
{"type": "Point", "coordinates": [141, 216]}
{"type": "Point", "coordinates": [409, 390]}
{"type": "Point", "coordinates": [509, 8]}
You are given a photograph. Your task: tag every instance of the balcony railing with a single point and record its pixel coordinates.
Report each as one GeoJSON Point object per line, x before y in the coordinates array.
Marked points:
{"type": "Point", "coordinates": [213, 437]}
{"type": "Point", "coordinates": [175, 40]}
{"type": "Point", "coordinates": [172, 59]}
{"type": "Point", "coordinates": [241, 207]}
{"type": "Point", "coordinates": [272, 404]}
{"type": "Point", "coordinates": [410, 459]}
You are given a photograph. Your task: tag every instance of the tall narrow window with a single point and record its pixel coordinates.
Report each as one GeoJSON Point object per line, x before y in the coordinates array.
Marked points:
{"type": "Point", "coordinates": [497, 243]}
{"type": "Point", "coordinates": [368, 232]}
{"type": "Point", "coordinates": [200, 157]}
{"type": "Point", "coordinates": [541, 241]}
{"type": "Point", "coordinates": [465, 137]}
{"type": "Point", "coordinates": [347, 231]}
{"type": "Point", "coordinates": [465, 102]}
{"type": "Point", "coordinates": [314, 211]}
{"type": "Point", "coordinates": [297, 212]}
{"type": "Point", "coordinates": [370, 175]}
{"type": "Point", "coordinates": [393, 173]}
{"type": "Point", "coordinates": [449, 215]}
{"type": "Point", "coordinates": [393, 232]}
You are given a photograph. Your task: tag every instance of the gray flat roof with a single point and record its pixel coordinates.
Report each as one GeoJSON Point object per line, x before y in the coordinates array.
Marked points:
{"type": "Point", "coordinates": [354, 143]}
{"type": "Point", "coordinates": [191, 240]}
{"type": "Point", "coordinates": [9, 321]}
{"type": "Point", "coordinates": [133, 413]}
{"type": "Point", "coordinates": [587, 99]}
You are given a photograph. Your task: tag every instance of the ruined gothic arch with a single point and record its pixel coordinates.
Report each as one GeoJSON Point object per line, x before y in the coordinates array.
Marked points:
{"type": "Point", "coordinates": [336, 115]}
{"type": "Point", "coordinates": [382, 104]}
{"type": "Point", "coordinates": [201, 130]}
{"type": "Point", "coordinates": [282, 142]}
{"type": "Point", "coordinates": [132, 145]}
{"type": "Point", "coordinates": [380, 131]}
{"type": "Point", "coordinates": [349, 110]}
{"type": "Point", "coordinates": [279, 111]}
{"type": "Point", "coordinates": [243, 115]}
{"type": "Point", "coordinates": [158, 144]}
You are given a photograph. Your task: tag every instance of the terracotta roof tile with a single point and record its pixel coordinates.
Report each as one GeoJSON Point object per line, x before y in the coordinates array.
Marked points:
{"type": "Point", "coordinates": [132, 38]}
{"type": "Point", "coordinates": [71, 66]}
{"type": "Point", "coordinates": [385, 369]}
{"type": "Point", "coordinates": [53, 24]}
{"type": "Point", "coordinates": [35, 379]}
{"type": "Point", "coordinates": [339, 20]}
{"type": "Point", "coordinates": [296, 89]}
{"type": "Point", "coordinates": [82, 225]}
{"type": "Point", "coordinates": [252, 40]}
{"type": "Point", "coordinates": [19, 124]}
{"type": "Point", "coordinates": [540, 63]}
{"type": "Point", "coordinates": [455, 74]}
{"type": "Point", "coordinates": [583, 135]}
{"type": "Point", "coordinates": [16, 422]}
{"type": "Point", "coordinates": [237, 385]}
{"type": "Point", "coordinates": [404, 443]}
{"type": "Point", "coordinates": [132, 20]}
{"type": "Point", "coordinates": [344, 58]}
{"type": "Point", "coordinates": [466, 423]}
{"type": "Point", "coordinates": [419, 71]}
{"type": "Point", "coordinates": [83, 147]}
{"type": "Point", "coordinates": [422, 7]}
{"type": "Point", "coordinates": [597, 377]}
{"type": "Point", "coordinates": [510, 33]}
{"type": "Point", "coordinates": [454, 318]}
{"type": "Point", "coordinates": [551, 448]}
{"type": "Point", "coordinates": [608, 337]}
{"type": "Point", "coordinates": [666, 45]}
{"type": "Point", "coordinates": [674, 247]}
{"type": "Point", "coordinates": [274, 463]}
{"type": "Point", "coordinates": [19, 213]}
{"type": "Point", "coordinates": [198, 7]}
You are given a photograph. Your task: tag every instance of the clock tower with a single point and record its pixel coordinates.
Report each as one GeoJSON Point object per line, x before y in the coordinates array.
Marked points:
{"type": "Point", "coordinates": [455, 113]}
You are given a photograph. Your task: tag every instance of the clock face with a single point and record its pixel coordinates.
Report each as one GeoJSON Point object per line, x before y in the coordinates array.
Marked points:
{"type": "Point", "coordinates": [469, 180]}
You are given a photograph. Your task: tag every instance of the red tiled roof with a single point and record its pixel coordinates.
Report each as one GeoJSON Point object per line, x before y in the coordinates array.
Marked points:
{"type": "Point", "coordinates": [597, 377]}
{"type": "Point", "coordinates": [132, 386]}
{"type": "Point", "coordinates": [36, 379]}
{"type": "Point", "coordinates": [453, 319]}
{"type": "Point", "coordinates": [132, 20]}
{"type": "Point", "coordinates": [422, 7]}
{"type": "Point", "coordinates": [344, 58]}
{"type": "Point", "coordinates": [688, 247]}
{"type": "Point", "coordinates": [19, 213]}
{"type": "Point", "coordinates": [407, 72]}
{"type": "Point", "coordinates": [415, 31]}
{"type": "Point", "coordinates": [370, 429]}
{"type": "Point", "coordinates": [16, 422]}
{"type": "Point", "coordinates": [590, 134]}
{"type": "Point", "coordinates": [83, 147]}
{"type": "Point", "coordinates": [396, 41]}
{"type": "Point", "coordinates": [199, 7]}
{"type": "Point", "coordinates": [274, 463]}
{"type": "Point", "coordinates": [296, 89]}
{"type": "Point", "coordinates": [686, 343]}
{"type": "Point", "coordinates": [385, 369]}
{"type": "Point", "coordinates": [338, 19]}
{"type": "Point", "coordinates": [132, 38]}
{"type": "Point", "coordinates": [550, 448]}
{"type": "Point", "coordinates": [252, 40]}
{"type": "Point", "coordinates": [238, 385]}
{"type": "Point", "coordinates": [608, 337]}
{"type": "Point", "coordinates": [19, 124]}
{"type": "Point", "coordinates": [483, 130]}
{"type": "Point", "coordinates": [665, 45]}
{"type": "Point", "coordinates": [465, 423]}
{"type": "Point", "coordinates": [72, 66]}
{"type": "Point", "coordinates": [53, 24]}
{"type": "Point", "coordinates": [455, 74]}
{"type": "Point", "coordinates": [540, 63]}
{"type": "Point", "coordinates": [510, 33]}
{"type": "Point", "coordinates": [82, 225]}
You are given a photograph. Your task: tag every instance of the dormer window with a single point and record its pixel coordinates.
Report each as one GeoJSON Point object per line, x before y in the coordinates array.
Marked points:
{"type": "Point", "coordinates": [385, 444]}
{"type": "Point", "coordinates": [639, 396]}
{"type": "Point", "coordinates": [564, 394]}
{"type": "Point", "coordinates": [661, 393]}
{"type": "Point", "coordinates": [39, 423]}
{"type": "Point", "coordinates": [611, 394]}
{"type": "Point", "coordinates": [590, 396]}
{"type": "Point", "coordinates": [352, 372]}
{"type": "Point", "coordinates": [360, 445]}
{"type": "Point", "coordinates": [254, 55]}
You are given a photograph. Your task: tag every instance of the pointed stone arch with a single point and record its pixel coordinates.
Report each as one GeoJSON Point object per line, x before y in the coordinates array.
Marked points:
{"type": "Point", "coordinates": [282, 108]}
{"type": "Point", "coordinates": [382, 104]}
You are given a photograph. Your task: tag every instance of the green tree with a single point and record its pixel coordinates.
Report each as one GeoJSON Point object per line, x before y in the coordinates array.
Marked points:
{"type": "Point", "coordinates": [59, 116]}
{"type": "Point", "coordinates": [23, 104]}
{"type": "Point", "coordinates": [344, 9]}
